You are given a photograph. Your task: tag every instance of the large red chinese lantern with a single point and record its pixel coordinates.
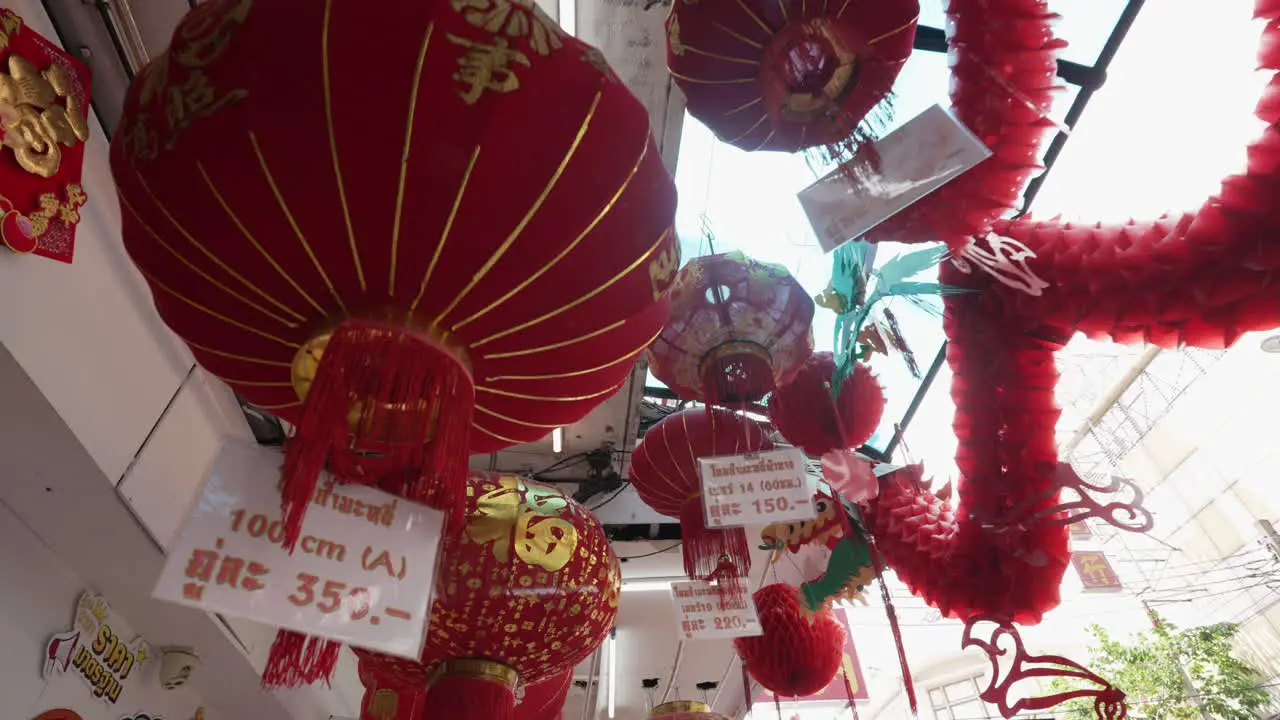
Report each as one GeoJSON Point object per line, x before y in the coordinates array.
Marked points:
{"type": "Point", "coordinates": [414, 228]}
{"type": "Point", "coordinates": [738, 328]}
{"type": "Point", "coordinates": [44, 125]}
{"type": "Point", "coordinates": [524, 594]}
{"type": "Point", "coordinates": [788, 74]}
{"type": "Point", "coordinates": [664, 471]}
{"type": "Point", "coordinates": [799, 652]}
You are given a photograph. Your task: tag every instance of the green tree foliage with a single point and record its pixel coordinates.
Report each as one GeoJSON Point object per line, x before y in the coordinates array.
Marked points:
{"type": "Point", "coordinates": [1147, 669]}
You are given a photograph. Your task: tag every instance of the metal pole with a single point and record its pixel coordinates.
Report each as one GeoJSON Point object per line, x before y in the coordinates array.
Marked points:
{"type": "Point", "coordinates": [675, 672]}
{"type": "Point", "coordinates": [589, 709]}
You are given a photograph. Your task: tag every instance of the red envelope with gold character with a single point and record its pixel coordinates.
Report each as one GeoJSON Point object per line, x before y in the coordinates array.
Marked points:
{"type": "Point", "coordinates": [44, 125]}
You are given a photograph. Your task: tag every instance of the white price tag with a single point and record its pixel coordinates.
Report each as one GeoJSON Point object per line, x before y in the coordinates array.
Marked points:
{"type": "Point", "coordinates": [760, 489]}
{"type": "Point", "coordinates": [921, 156]}
{"type": "Point", "coordinates": [702, 615]}
{"type": "Point", "coordinates": [362, 572]}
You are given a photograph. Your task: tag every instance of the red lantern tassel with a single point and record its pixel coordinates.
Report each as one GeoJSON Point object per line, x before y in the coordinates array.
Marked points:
{"type": "Point", "coordinates": [472, 689]}
{"type": "Point", "coordinates": [709, 553]}
{"type": "Point", "coordinates": [387, 405]}
{"type": "Point", "coordinates": [736, 374]}
{"type": "Point", "coordinates": [746, 684]}
{"type": "Point", "coordinates": [296, 660]}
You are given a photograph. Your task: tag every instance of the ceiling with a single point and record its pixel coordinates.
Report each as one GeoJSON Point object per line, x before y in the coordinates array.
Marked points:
{"type": "Point", "coordinates": [116, 36]}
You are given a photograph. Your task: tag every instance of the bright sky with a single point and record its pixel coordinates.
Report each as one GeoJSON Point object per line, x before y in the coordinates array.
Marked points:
{"type": "Point", "coordinates": [1172, 120]}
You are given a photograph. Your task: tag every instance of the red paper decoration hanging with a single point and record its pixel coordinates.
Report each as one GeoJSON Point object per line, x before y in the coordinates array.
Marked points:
{"type": "Point", "coordinates": [799, 652]}
{"type": "Point", "coordinates": [531, 587]}
{"type": "Point", "coordinates": [44, 125]}
{"type": "Point", "coordinates": [451, 247]}
{"type": "Point", "coordinates": [527, 591]}
{"type": "Point", "coordinates": [808, 417]}
{"type": "Point", "coordinates": [787, 74]}
{"type": "Point", "coordinates": [738, 329]}
{"type": "Point", "coordinates": [664, 471]}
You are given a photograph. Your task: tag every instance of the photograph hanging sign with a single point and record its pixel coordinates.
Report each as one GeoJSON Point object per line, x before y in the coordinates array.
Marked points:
{"type": "Point", "coordinates": [703, 615]}
{"type": "Point", "coordinates": [362, 571]}
{"type": "Point", "coordinates": [927, 152]}
{"type": "Point", "coordinates": [756, 489]}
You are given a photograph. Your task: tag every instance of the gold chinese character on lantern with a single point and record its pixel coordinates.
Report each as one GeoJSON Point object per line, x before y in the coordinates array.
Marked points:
{"type": "Point", "coordinates": [662, 269]}
{"type": "Point", "coordinates": [487, 67]}
{"type": "Point", "coordinates": [40, 115]}
{"type": "Point", "coordinates": [193, 99]}
{"type": "Point", "coordinates": [526, 519]}
{"type": "Point", "coordinates": [514, 19]}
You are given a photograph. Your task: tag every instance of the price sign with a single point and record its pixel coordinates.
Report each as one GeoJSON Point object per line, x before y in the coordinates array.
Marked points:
{"type": "Point", "coordinates": [759, 489]}
{"type": "Point", "coordinates": [702, 615]}
{"type": "Point", "coordinates": [362, 571]}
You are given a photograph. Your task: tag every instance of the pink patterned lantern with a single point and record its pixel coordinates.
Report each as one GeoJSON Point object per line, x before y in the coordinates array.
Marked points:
{"type": "Point", "coordinates": [738, 329]}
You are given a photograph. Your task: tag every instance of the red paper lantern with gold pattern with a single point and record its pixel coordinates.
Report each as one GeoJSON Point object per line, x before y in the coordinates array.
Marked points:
{"type": "Point", "coordinates": [527, 591]}
{"type": "Point", "coordinates": [664, 471]}
{"type": "Point", "coordinates": [788, 74]}
{"type": "Point", "coordinates": [376, 218]}
{"type": "Point", "coordinates": [738, 328]}
{"type": "Point", "coordinates": [684, 710]}
{"type": "Point", "coordinates": [44, 125]}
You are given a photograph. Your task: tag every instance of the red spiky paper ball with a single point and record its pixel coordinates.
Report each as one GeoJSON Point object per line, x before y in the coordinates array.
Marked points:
{"type": "Point", "coordinates": [807, 415]}
{"type": "Point", "coordinates": [800, 652]}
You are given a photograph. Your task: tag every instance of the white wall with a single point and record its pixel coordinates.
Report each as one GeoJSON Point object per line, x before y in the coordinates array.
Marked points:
{"type": "Point", "coordinates": [38, 596]}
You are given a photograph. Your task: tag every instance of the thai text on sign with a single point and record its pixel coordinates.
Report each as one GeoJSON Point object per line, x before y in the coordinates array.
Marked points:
{"type": "Point", "coordinates": [766, 487]}
{"type": "Point", "coordinates": [362, 571]}
{"type": "Point", "coordinates": [703, 615]}
{"type": "Point", "coordinates": [97, 649]}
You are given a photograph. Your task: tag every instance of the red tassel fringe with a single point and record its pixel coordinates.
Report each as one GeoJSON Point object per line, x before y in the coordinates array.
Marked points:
{"type": "Point", "coordinates": [709, 553]}
{"type": "Point", "coordinates": [416, 401]}
{"type": "Point", "coordinates": [296, 660]}
{"type": "Point", "coordinates": [469, 698]}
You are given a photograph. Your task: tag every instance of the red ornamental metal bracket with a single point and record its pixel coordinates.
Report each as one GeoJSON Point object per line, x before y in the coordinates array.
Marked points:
{"type": "Point", "coordinates": [44, 125]}
{"type": "Point", "coordinates": [1011, 664]}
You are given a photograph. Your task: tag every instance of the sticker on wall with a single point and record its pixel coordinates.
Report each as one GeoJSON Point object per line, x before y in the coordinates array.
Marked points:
{"type": "Point", "coordinates": [59, 715]}
{"type": "Point", "coordinates": [94, 650]}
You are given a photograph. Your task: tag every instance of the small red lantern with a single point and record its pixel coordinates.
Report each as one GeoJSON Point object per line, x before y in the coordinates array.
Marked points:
{"type": "Point", "coordinates": [807, 415]}
{"type": "Point", "coordinates": [738, 329]}
{"type": "Point", "coordinates": [799, 652]}
{"type": "Point", "coordinates": [44, 125]}
{"type": "Point", "coordinates": [375, 219]}
{"type": "Point", "coordinates": [788, 74]}
{"type": "Point", "coordinates": [524, 594]}
{"type": "Point", "coordinates": [684, 710]}
{"type": "Point", "coordinates": [664, 471]}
